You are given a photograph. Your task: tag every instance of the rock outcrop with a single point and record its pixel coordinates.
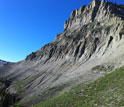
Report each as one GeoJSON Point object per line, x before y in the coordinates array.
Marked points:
{"type": "Point", "coordinates": [92, 36]}
{"type": "Point", "coordinates": [86, 29]}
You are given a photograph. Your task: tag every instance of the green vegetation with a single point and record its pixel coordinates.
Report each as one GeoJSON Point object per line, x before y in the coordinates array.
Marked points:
{"type": "Point", "coordinates": [20, 84]}
{"type": "Point", "coordinates": [103, 68]}
{"type": "Point", "coordinates": [6, 99]}
{"type": "Point", "coordinates": [121, 5]}
{"type": "Point", "coordinates": [46, 94]}
{"type": "Point", "coordinates": [107, 91]}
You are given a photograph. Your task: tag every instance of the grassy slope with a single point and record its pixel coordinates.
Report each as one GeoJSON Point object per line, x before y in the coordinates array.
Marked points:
{"type": "Point", "coordinates": [107, 91]}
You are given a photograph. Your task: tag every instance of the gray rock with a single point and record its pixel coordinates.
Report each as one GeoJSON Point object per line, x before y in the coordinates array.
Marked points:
{"type": "Point", "coordinates": [92, 36]}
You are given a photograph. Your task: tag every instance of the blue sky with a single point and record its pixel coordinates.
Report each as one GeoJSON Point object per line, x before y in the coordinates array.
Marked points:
{"type": "Point", "coordinates": [27, 25]}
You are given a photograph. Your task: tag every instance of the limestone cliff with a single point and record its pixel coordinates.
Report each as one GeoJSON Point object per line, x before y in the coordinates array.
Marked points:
{"type": "Point", "coordinates": [90, 30]}
{"type": "Point", "coordinates": [92, 37]}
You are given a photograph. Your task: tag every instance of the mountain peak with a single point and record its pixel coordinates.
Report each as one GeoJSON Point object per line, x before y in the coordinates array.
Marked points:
{"type": "Point", "coordinates": [97, 10]}
{"type": "Point", "coordinates": [94, 3]}
{"type": "Point", "coordinates": [97, 15]}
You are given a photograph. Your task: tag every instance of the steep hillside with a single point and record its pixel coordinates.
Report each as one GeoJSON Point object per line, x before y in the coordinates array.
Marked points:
{"type": "Point", "coordinates": [107, 91]}
{"type": "Point", "coordinates": [92, 38]}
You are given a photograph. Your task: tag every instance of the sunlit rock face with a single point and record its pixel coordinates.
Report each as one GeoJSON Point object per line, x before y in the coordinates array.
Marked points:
{"type": "Point", "coordinates": [90, 30]}
{"type": "Point", "coordinates": [93, 35]}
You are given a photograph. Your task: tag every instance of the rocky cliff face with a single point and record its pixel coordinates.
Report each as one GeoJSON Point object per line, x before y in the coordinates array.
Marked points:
{"type": "Point", "coordinates": [99, 11]}
{"type": "Point", "coordinates": [90, 46]}
{"type": "Point", "coordinates": [84, 32]}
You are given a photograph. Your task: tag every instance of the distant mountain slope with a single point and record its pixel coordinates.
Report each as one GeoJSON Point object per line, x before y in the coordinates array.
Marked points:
{"type": "Point", "coordinates": [3, 63]}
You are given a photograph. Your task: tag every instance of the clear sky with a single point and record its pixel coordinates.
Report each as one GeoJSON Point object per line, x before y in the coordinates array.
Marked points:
{"type": "Point", "coordinates": [27, 25]}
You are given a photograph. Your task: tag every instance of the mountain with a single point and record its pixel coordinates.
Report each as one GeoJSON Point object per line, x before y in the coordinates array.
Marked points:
{"type": "Point", "coordinates": [2, 63]}
{"type": "Point", "coordinates": [90, 46]}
